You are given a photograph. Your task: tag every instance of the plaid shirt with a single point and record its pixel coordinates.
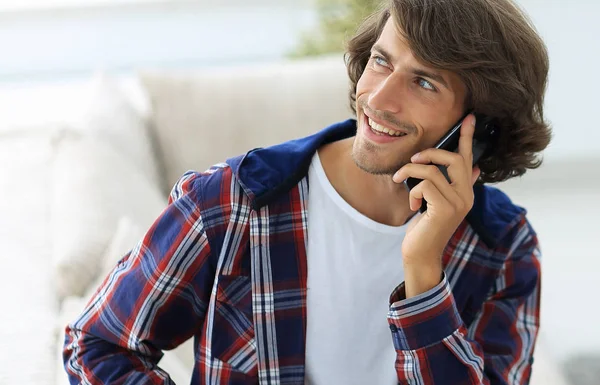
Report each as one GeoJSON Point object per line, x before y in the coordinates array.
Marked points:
{"type": "Point", "coordinates": [226, 263]}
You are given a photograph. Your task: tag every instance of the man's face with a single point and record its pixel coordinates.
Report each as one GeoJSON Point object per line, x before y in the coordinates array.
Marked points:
{"type": "Point", "coordinates": [396, 92]}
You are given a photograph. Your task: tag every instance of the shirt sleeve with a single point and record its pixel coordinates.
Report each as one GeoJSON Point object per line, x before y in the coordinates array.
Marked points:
{"type": "Point", "coordinates": [153, 300]}
{"type": "Point", "coordinates": [434, 346]}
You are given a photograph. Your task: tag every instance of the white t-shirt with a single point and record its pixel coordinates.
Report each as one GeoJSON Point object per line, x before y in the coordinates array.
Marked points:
{"type": "Point", "coordinates": [354, 264]}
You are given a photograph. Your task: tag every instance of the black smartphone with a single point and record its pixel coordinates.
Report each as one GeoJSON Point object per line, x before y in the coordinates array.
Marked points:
{"type": "Point", "coordinates": [486, 131]}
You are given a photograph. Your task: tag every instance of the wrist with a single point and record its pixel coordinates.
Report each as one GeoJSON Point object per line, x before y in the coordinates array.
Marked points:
{"type": "Point", "coordinates": [419, 279]}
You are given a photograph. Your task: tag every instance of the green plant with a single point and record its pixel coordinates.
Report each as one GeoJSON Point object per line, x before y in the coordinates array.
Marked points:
{"type": "Point", "coordinates": [338, 19]}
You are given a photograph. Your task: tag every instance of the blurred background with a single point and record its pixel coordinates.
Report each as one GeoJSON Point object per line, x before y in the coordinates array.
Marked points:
{"type": "Point", "coordinates": [104, 103]}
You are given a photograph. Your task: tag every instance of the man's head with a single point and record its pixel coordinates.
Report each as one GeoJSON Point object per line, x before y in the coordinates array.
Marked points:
{"type": "Point", "coordinates": [417, 66]}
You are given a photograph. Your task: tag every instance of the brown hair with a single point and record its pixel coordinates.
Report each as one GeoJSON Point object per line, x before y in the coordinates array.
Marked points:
{"type": "Point", "coordinates": [493, 47]}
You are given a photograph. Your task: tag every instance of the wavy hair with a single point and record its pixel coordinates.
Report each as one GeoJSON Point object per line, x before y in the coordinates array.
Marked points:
{"type": "Point", "coordinates": [496, 51]}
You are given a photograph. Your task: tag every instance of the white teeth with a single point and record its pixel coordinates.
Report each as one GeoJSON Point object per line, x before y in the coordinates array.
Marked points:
{"type": "Point", "coordinates": [385, 130]}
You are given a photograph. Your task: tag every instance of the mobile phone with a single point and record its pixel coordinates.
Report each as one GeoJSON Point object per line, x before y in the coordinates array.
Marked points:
{"type": "Point", "coordinates": [486, 131]}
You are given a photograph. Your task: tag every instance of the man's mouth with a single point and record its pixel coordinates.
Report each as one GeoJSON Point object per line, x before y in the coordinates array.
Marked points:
{"type": "Point", "coordinates": [378, 129]}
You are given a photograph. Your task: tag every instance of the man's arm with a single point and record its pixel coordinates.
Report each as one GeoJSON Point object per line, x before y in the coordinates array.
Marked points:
{"type": "Point", "coordinates": [435, 347]}
{"type": "Point", "coordinates": [154, 299]}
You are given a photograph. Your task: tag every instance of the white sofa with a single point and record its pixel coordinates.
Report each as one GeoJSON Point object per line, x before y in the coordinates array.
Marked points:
{"type": "Point", "coordinates": [86, 168]}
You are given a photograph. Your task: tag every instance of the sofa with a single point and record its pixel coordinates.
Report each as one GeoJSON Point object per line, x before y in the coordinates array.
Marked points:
{"type": "Point", "coordinates": [87, 166]}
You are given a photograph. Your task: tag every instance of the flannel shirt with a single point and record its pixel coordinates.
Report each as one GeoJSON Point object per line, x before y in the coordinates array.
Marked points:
{"type": "Point", "coordinates": [225, 263]}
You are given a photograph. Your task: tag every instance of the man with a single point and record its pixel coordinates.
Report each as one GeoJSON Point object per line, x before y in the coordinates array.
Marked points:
{"type": "Point", "coordinates": [281, 263]}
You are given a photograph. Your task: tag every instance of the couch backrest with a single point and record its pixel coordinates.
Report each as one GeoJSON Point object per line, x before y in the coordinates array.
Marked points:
{"type": "Point", "coordinates": [202, 118]}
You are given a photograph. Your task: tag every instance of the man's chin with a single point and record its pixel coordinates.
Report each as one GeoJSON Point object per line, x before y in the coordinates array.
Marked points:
{"type": "Point", "coordinates": [372, 159]}
{"type": "Point", "coordinates": [374, 167]}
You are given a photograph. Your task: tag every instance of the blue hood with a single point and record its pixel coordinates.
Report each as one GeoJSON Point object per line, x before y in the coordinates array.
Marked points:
{"type": "Point", "coordinates": [267, 173]}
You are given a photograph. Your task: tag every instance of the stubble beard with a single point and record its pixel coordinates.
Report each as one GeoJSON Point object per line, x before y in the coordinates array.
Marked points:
{"type": "Point", "coordinates": [365, 156]}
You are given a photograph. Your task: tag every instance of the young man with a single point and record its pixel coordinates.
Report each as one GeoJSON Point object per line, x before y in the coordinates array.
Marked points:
{"type": "Point", "coordinates": [309, 263]}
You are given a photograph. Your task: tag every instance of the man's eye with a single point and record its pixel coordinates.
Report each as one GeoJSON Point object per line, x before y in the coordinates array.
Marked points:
{"type": "Point", "coordinates": [425, 84]}
{"type": "Point", "coordinates": [380, 61]}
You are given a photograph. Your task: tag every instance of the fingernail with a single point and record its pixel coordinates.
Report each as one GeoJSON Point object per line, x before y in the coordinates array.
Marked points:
{"type": "Point", "coordinates": [415, 156]}
{"type": "Point", "coordinates": [474, 120]}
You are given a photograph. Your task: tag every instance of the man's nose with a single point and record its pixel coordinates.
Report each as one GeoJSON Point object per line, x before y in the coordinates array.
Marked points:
{"type": "Point", "coordinates": [387, 95]}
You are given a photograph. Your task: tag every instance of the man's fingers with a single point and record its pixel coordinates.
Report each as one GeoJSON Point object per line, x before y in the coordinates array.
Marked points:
{"type": "Point", "coordinates": [455, 165]}
{"type": "Point", "coordinates": [465, 143]}
{"type": "Point", "coordinates": [430, 173]}
{"type": "Point", "coordinates": [426, 189]}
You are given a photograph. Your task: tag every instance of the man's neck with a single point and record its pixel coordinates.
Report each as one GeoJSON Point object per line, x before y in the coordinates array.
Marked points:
{"type": "Point", "coordinates": [375, 196]}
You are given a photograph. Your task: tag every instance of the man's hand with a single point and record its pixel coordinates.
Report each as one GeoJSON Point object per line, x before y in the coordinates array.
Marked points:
{"type": "Point", "coordinates": [447, 205]}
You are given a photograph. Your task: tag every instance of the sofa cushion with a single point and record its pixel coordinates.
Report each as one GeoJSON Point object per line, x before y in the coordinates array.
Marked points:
{"type": "Point", "coordinates": [94, 185]}
{"type": "Point", "coordinates": [104, 168]}
{"type": "Point", "coordinates": [110, 114]}
{"type": "Point", "coordinates": [27, 302]}
{"type": "Point", "coordinates": [204, 117]}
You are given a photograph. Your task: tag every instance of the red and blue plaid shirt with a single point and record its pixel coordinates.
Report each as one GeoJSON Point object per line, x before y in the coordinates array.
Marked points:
{"type": "Point", "coordinates": [225, 263]}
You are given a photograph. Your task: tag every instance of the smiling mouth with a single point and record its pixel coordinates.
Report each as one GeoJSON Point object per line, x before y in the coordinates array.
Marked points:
{"type": "Point", "coordinates": [378, 129]}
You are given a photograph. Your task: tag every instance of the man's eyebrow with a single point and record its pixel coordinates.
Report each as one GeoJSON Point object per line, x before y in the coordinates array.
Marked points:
{"type": "Point", "coordinates": [416, 71]}
{"type": "Point", "coordinates": [386, 55]}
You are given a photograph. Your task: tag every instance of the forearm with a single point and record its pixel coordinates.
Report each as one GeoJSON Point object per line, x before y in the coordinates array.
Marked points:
{"type": "Point", "coordinates": [89, 359]}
